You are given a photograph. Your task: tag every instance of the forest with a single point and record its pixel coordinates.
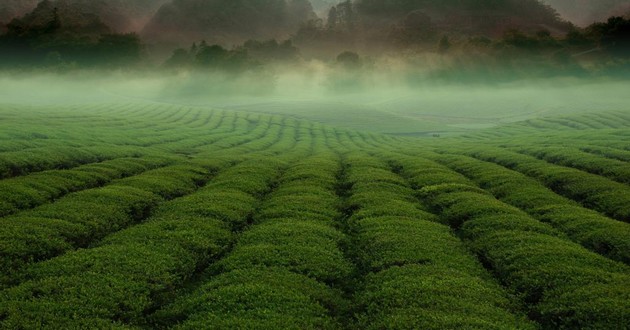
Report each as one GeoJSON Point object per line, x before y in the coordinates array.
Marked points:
{"type": "Point", "coordinates": [458, 39]}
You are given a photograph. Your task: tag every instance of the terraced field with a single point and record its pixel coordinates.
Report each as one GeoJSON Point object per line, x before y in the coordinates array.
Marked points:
{"type": "Point", "coordinates": [160, 216]}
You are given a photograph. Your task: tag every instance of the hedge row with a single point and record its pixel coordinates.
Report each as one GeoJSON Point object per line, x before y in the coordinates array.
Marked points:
{"type": "Point", "coordinates": [601, 194]}
{"type": "Point", "coordinates": [13, 145]}
{"type": "Point", "coordinates": [607, 152]}
{"type": "Point", "coordinates": [80, 219]}
{"type": "Point", "coordinates": [605, 119]}
{"type": "Point", "coordinates": [572, 157]}
{"type": "Point", "coordinates": [247, 134]}
{"type": "Point", "coordinates": [564, 285]}
{"type": "Point", "coordinates": [135, 271]}
{"type": "Point", "coordinates": [283, 271]}
{"type": "Point", "coordinates": [32, 190]}
{"type": "Point", "coordinates": [18, 163]}
{"type": "Point", "coordinates": [603, 235]}
{"type": "Point", "coordinates": [418, 275]}
{"type": "Point", "coordinates": [232, 126]}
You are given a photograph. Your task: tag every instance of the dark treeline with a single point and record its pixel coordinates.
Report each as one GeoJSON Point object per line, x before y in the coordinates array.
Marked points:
{"type": "Point", "coordinates": [252, 54]}
{"type": "Point", "coordinates": [50, 36]}
{"type": "Point", "coordinates": [452, 39]}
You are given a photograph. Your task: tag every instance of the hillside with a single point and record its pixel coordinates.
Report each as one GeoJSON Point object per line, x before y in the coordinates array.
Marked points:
{"type": "Point", "coordinates": [61, 16]}
{"type": "Point", "coordinates": [472, 17]}
{"type": "Point", "coordinates": [118, 15]}
{"type": "Point", "coordinates": [375, 27]}
{"type": "Point", "coordinates": [141, 215]}
{"type": "Point", "coordinates": [226, 21]}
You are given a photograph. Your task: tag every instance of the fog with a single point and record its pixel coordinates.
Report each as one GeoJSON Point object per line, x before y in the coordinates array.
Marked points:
{"type": "Point", "coordinates": [377, 101]}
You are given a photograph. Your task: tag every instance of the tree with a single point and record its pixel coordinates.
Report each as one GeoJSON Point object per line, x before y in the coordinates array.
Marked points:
{"type": "Point", "coordinates": [180, 58]}
{"type": "Point", "coordinates": [331, 23]}
{"type": "Point", "coordinates": [349, 60]}
{"type": "Point", "coordinates": [613, 35]}
{"type": "Point", "coordinates": [119, 49]}
{"type": "Point", "coordinates": [211, 55]}
{"type": "Point", "coordinates": [346, 16]}
{"type": "Point", "coordinates": [55, 22]}
{"type": "Point", "coordinates": [444, 45]}
{"type": "Point", "coordinates": [416, 28]}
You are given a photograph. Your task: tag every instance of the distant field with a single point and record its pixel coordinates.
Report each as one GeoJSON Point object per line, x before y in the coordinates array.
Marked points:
{"type": "Point", "coordinates": [148, 215]}
{"type": "Point", "coordinates": [392, 108]}
{"type": "Point", "coordinates": [448, 110]}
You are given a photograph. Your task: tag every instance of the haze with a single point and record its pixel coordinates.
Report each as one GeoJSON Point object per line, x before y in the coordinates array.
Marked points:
{"type": "Point", "coordinates": [406, 67]}
{"type": "Point", "coordinates": [379, 103]}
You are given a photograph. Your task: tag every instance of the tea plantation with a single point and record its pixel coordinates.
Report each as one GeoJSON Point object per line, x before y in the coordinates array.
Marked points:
{"type": "Point", "coordinates": [151, 216]}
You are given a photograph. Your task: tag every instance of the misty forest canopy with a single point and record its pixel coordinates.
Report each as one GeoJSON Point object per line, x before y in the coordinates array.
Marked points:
{"type": "Point", "coordinates": [58, 32]}
{"type": "Point", "coordinates": [120, 15]}
{"type": "Point", "coordinates": [405, 22]}
{"type": "Point", "coordinates": [465, 35]}
{"type": "Point", "coordinates": [228, 20]}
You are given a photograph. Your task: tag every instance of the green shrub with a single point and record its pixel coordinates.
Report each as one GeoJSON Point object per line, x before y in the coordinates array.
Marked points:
{"type": "Point", "coordinates": [256, 298]}
{"type": "Point", "coordinates": [427, 297]}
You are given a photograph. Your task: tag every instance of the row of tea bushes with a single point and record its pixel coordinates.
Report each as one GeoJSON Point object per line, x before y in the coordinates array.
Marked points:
{"type": "Point", "coordinates": [608, 152]}
{"type": "Point", "coordinates": [563, 284]}
{"type": "Point", "coordinates": [601, 194]}
{"type": "Point", "coordinates": [603, 235]}
{"type": "Point", "coordinates": [285, 270]}
{"type": "Point", "coordinates": [18, 163]}
{"type": "Point", "coordinates": [28, 191]}
{"type": "Point", "coordinates": [417, 274]}
{"type": "Point", "coordinates": [79, 219]}
{"type": "Point", "coordinates": [572, 157]}
{"type": "Point", "coordinates": [133, 272]}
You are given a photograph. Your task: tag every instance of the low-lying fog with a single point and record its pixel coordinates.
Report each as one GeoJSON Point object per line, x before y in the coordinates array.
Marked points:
{"type": "Point", "coordinates": [380, 102]}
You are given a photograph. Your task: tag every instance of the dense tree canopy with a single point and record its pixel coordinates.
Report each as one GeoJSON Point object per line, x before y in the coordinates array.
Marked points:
{"type": "Point", "coordinates": [228, 20]}
{"type": "Point", "coordinates": [52, 35]}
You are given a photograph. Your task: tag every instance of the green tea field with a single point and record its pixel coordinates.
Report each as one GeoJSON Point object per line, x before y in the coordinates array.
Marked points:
{"type": "Point", "coordinates": [140, 215]}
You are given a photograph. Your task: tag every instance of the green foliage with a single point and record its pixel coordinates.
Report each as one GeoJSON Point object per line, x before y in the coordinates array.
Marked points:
{"type": "Point", "coordinates": [613, 35]}
{"type": "Point", "coordinates": [178, 217]}
{"type": "Point", "coordinates": [18, 163]}
{"type": "Point", "coordinates": [591, 229]}
{"type": "Point", "coordinates": [416, 296]}
{"type": "Point", "coordinates": [349, 60]}
{"type": "Point", "coordinates": [591, 190]}
{"type": "Point", "coordinates": [534, 261]}
{"type": "Point", "coordinates": [92, 214]}
{"type": "Point", "coordinates": [257, 298]}
{"type": "Point", "coordinates": [38, 188]}
{"type": "Point", "coordinates": [416, 273]}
